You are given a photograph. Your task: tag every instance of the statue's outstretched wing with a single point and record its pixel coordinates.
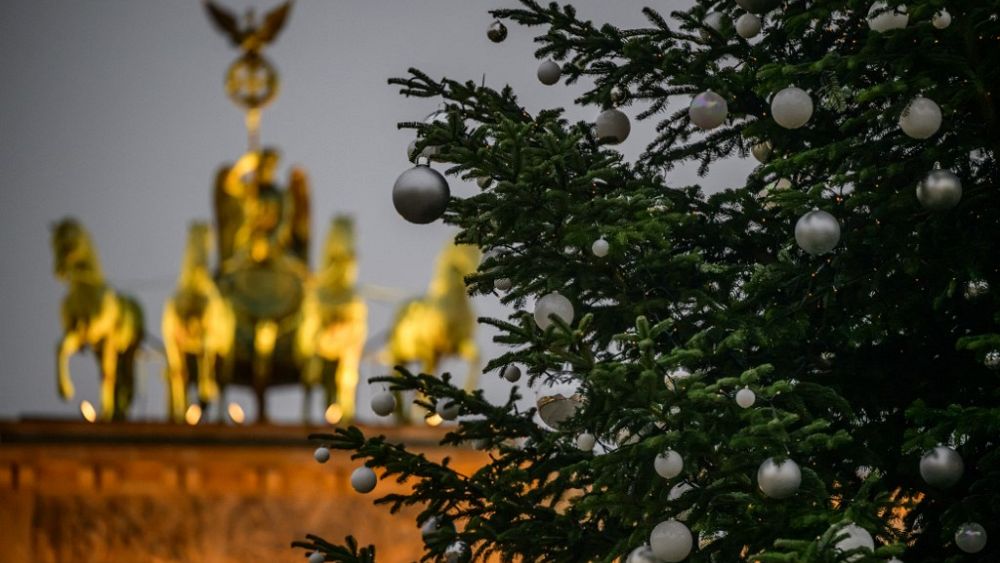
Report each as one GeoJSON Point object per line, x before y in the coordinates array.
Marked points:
{"type": "Point", "coordinates": [225, 21]}
{"type": "Point", "coordinates": [298, 189]}
{"type": "Point", "coordinates": [273, 22]}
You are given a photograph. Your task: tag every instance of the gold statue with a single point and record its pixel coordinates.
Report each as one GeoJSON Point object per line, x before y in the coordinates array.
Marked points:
{"type": "Point", "coordinates": [334, 324]}
{"type": "Point", "coordinates": [440, 324]}
{"type": "Point", "coordinates": [199, 328]}
{"type": "Point", "coordinates": [95, 316]}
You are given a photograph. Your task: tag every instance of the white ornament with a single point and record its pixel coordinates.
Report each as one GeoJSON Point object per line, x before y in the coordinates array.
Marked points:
{"type": "Point", "coordinates": [942, 467]}
{"type": "Point", "coordinates": [669, 464]}
{"type": "Point", "coordinates": [817, 232]}
{"type": "Point", "coordinates": [940, 190]}
{"type": "Point", "coordinates": [792, 107]}
{"type": "Point", "coordinates": [762, 151]}
{"type": "Point", "coordinates": [553, 304]}
{"type": "Point", "coordinates": [671, 541]}
{"type": "Point", "coordinates": [383, 403]}
{"type": "Point", "coordinates": [549, 72]}
{"type": "Point", "coordinates": [457, 552]}
{"type": "Point", "coordinates": [971, 537]}
{"type": "Point", "coordinates": [512, 373]}
{"type": "Point", "coordinates": [856, 537]}
{"type": "Point", "coordinates": [600, 248]}
{"type": "Point", "coordinates": [484, 182]}
{"type": "Point", "coordinates": [642, 554]}
{"type": "Point", "coordinates": [745, 398]}
{"type": "Point", "coordinates": [714, 21]}
{"type": "Point", "coordinates": [447, 408]}
{"type": "Point", "coordinates": [322, 454]}
{"type": "Point", "coordinates": [363, 479]}
{"type": "Point", "coordinates": [748, 26]}
{"type": "Point", "coordinates": [882, 19]}
{"type": "Point", "coordinates": [585, 442]}
{"type": "Point", "coordinates": [921, 119]}
{"type": "Point", "coordinates": [612, 126]}
{"type": "Point", "coordinates": [316, 557]}
{"type": "Point", "coordinates": [779, 480]}
{"type": "Point", "coordinates": [708, 110]}
{"type": "Point", "coordinates": [942, 19]}
{"type": "Point", "coordinates": [502, 284]}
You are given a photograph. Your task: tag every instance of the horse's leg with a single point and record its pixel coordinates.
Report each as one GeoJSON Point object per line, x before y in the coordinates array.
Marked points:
{"type": "Point", "coordinates": [174, 374]}
{"type": "Point", "coordinates": [347, 375]}
{"type": "Point", "coordinates": [468, 351]}
{"type": "Point", "coordinates": [109, 380]}
{"type": "Point", "coordinates": [68, 345]}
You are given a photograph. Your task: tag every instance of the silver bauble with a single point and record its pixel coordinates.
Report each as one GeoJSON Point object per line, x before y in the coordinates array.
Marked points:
{"type": "Point", "coordinates": [484, 182]}
{"type": "Point", "coordinates": [882, 19]}
{"type": "Point", "coordinates": [992, 359]}
{"type": "Point", "coordinates": [421, 194]}
{"type": "Point", "coordinates": [457, 552]}
{"type": "Point", "coordinates": [671, 541]}
{"type": "Point", "coordinates": [363, 479]}
{"type": "Point", "coordinates": [553, 304]}
{"type": "Point", "coordinates": [817, 232]}
{"type": "Point", "coordinates": [745, 398]}
{"type": "Point", "coordinates": [322, 454]}
{"type": "Point", "coordinates": [942, 467]}
{"type": "Point", "coordinates": [435, 525]}
{"type": "Point", "coordinates": [600, 248]}
{"type": "Point", "coordinates": [940, 190]}
{"type": "Point", "coordinates": [585, 442]}
{"type": "Point", "coordinates": [708, 110]}
{"type": "Point", "coordinates": [748, 26]}
{"type": "Point", "coordinates": [942, 19]}
{"type": "Point", "coordinates": [669, 464]}
{"type": "Point", "coordinates": [549, 72]}
{"type": "Point", "coordinates": [618, 94]}
{"type": "Point", "coordinates": [779, 480]}
{"type": "Point", "coordinates": [556, 409]}
{"type": "Point", "coordinates": [502, 284]}
{"type": "Point", "coordinates": [792, 107]}
{"type": "Point", "coordinates": [497, 31]}
{"type": "Point", "coordinates": [612, 126]}
{"type": "Point", "coordinates": [856, 537]}
{"type": "Point", "coordinates": [447, 408]}
{"type": "Point", "coordinates": [921, 119]}
{"type": "Point", "coordinates": [642, 554]}
{"type": "Point", "coordinates": [383, 403]}
{"type": "Point", "coordinates": [762, 151]}
{"type": "Point", "coordinates": [971, 537]}
{"type": "Point", "coordinates": [512, 373]}
{"type": "Point", "coordinates": [316, 557]}
{"type": "Point", "coordinates": [758, 6]}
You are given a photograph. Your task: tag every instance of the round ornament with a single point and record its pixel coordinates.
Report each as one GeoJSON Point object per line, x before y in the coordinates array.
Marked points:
{"type": "Point", "coordinates": [322, 454]}
{"type": "Point", "coordinates": [316, 557]}
{"type": "Point", "coordinates": [421, 194]}
{"type": "Point", "coordinates": [942, 19]}
{"type": "Point", "coordinates": [762, 151]}
{"type": "Point", "coordinates": [363, 479]}
{"type": "Point", "coordinates": [484, 182]}
{"type": "Point", "coordinates": [940, 190]}
{"type": "Point", "coordinates": [457, 552]}
{"type": "Point", "coordinates": [435, 525]}
{"type": "Point", "coordinates": [600, 248]}
{"type": "Point", "coordinates": [758, 6]}
{"type": "Point", "coordinates": [502, 284]}
{"type": "Point", "coordinates": [748, 26]}
{"type": "Point", "coordinates": [779, 480]}
{"type": "Point", "coordinates": [612, 126]}
{"type": "Point", "coordinates": [497, 31]}
{"type": "Point", "coordinates": [817, 232]}
{"type": "Point", "coordinates": [642, 554]}
{"type": "Point", "coordinates": [618, 94]}
{"type": "Point", "coordinates": [671, 541]}
{"type": "Point", "coordinates": [792, 107]}
{"type": "Point", "coordinates": [856, 537]}
{"type": "Point", "coordinates": [669, 464]}
{"type": "Point", "coordinates": [708, 110]}
{"type": "Point", "coordinates": [882, 19]}
{"type": "Point", "coordinates": [971, 537]}
{"type": "Point", "coordinates": [745, 398]}
{"type": "Point", "coordinates": [942, 467]}
{"type": "Point", "coordinates": [447, 408]}
{"type": "Point", "coordinates": [512, 373]}
{"type": "Point", "coordinates": [992, 359]}
{"type": "Point", "coordinates": [549, 72]}
{"type": "Point", "coordinates": [556, 409]}
{"type": "Point", "coordinates": [553, 304]}
{"type": "Point", "coordinates": [715, 21]}
{"type": "Point", "coordinates": [585, 442]}
{"type": "Point", "coordinates": [383, 403]}
{"type": "Point", "coordinates": [921, 119]}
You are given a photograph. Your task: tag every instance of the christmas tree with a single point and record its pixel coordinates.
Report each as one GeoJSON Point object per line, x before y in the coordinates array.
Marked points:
{"type": "Point", "coordinates": [802, 367]}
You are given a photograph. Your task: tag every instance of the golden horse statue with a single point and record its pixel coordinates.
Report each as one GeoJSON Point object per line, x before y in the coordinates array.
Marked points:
{"type": "Point", "coordinates": [331, 337]}
{"type": "Point", "coordinates": [95, 316]}
{"type": "Point", "coordinates": [440, 324]}
{"type": "Point", "coordinates": [199, 328]}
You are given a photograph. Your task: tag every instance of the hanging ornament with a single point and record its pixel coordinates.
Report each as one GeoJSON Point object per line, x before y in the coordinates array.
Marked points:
{"type": "Point", "coordinates": [549, 72]}
{"type": "Point", "coordinates": [745, 398]}
{"type": "Point", "coordinates": [779, 480]}
{"type": "Point", "coordinates": [363, 479]}
{"type": "Point", "coordinates": [642, 554]}
{"type": "Point", "coordinates": [714, 21]}
{"type": "Point", "coordinates": [457, 552]}
{"type": "Point", "coordinates": [671, 541]}
{"type": "Point", "coordinates": [383, 403]}
{"type": "Point", "coordinates": [502, 284]}
{"type": "Point", "coordinates": [708, 110]}
{"type": "Point", "coordinates": [992, 359]}
{"type": "Point", "coordinates": [552, 304]}
{"type": "Point", "coordinates": [585, 442]}
{"type": "Point", "coordinates": [618, 95]}
{"type": "Point", "coordinates": [971, 537]}
{"type": "Point", "coordinates": [600, 247]}
{"type": "Point", "coordinates": [974, 289]}
{"type": "Point", "coordinates": [817, 232]}
{"type": "Point", "coordinates": [921, 119]}
{"type": "Point", "coordinates": [556, 409]}
{"type": "Point", "coordinates": [762, 151]}
{"type": "Point", "coordinates": [792, 107]}
{"type": "Point", "coordinates": [883, 19]}
{"type": "Point", "coordinates": [942, 19]}
{"type": "Point", "coordinates": [421, 193]}
{"type": "Point", "coordinates": [758, 6]}
{"type": "Point", "coordinates": [669, 464]}
{"type": "Point", "coordinates": [940, 190]}
{"type": "Point", "coordinates": [447, 408]}
{"type": "Point", "coordinates": [436, 525]}
{"type": "Point", "coordinates": [497, 31]}
{"type": "Point", "coordinates": [856, 537]}
{"type": "Point", "coordinates": [484, 182]}
{"type": "Point", "coordinates": [942, 467]}
{"type": "Point", "coordinates": [316, 557]}
{"type": "Point", "coordinates": [612, 126]}
{"type": "Point", "coordinates": [322, 454]}
{"type": "Point", "coordinates": [512, 373]}
{"type": "Point", "coordinates": [748, 26]}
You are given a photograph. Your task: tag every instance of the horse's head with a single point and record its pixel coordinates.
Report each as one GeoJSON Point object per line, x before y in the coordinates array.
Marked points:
{"type": "Point", "coordinates": [339, 262]}
{"type": "Point", "coordinates": [454, 263]}
{"type": "Point", "coordinates": [72, 249]}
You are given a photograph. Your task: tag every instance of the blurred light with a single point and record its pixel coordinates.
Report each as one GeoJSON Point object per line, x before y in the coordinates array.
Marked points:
{"type": "Point", "coordinates": [193, 414]}
{"type": "Point", "coordinates": [88, 411]}
{"type": "Point", "coordinates": [236, 413]}
{"type": "Point", "coordinates": [433, 420]}
{"type": "Point", "coordinates": [333, 414]}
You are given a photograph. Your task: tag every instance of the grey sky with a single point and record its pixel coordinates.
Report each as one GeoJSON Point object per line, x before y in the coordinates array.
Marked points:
{"type": "Point", "coordinates": [113, 111]}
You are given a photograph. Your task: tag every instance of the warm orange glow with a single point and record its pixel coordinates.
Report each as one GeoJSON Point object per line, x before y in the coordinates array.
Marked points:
{"type": "Point", "coordinates": [236, 413]}
{"type": "Point", "coordinates": [193, 415]}
{"type": "Point", "coordinates": [333, 414]}
{"type": "Point", "coordinates": [433, 420]}
{"type": "Point", "coordinates": [88, 411]}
